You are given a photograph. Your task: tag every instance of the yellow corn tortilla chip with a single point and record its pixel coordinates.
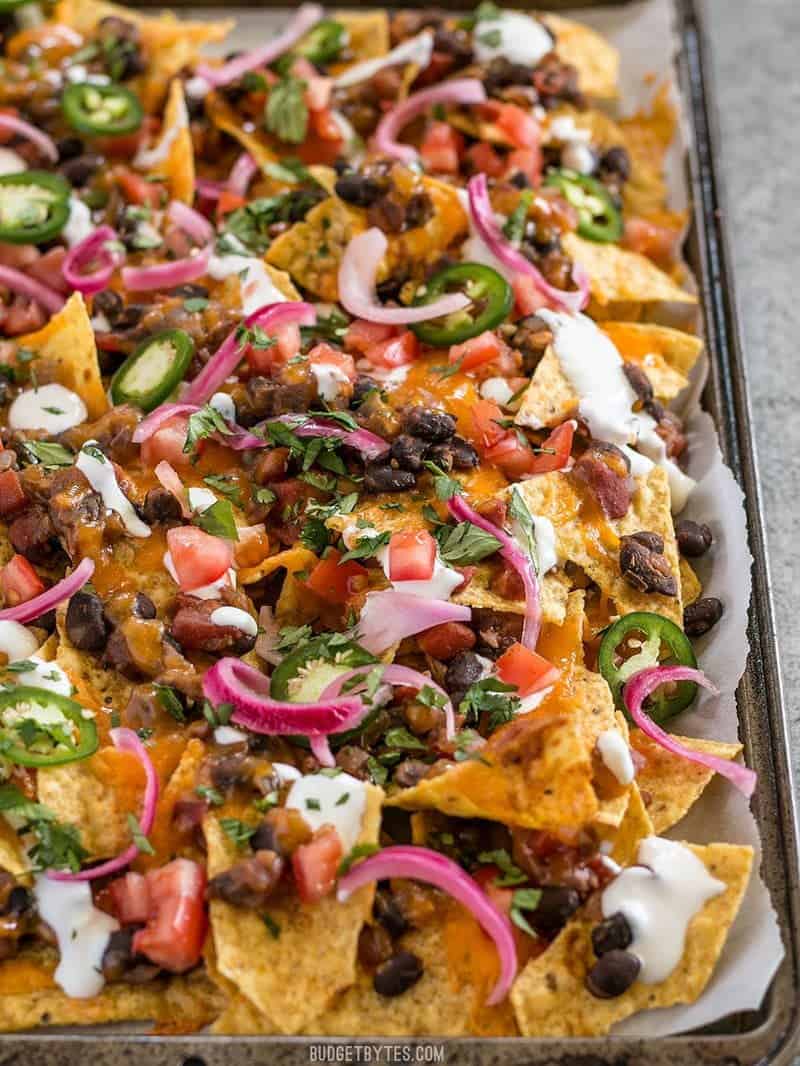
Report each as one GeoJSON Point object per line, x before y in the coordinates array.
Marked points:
{"type": "Point", "coordinates": [593, 56]}
{"type": "Point", "coordinates": [66, 353]}
{"type": "Point", "coordinates": [225, 118]}
{"type": "Point", "coordinates": [108, 688]}
{"type": "Point", "coordinates": [534, 772]}
{"type": "Point", "coordinates": [647, 136]}
{"type": "Point", "coordinates": [623, 285]}
{"type": "Point", "coordinates": [587, 538]}
{"type": "Point", "coordinates": [278, 975]}
{"type": "Point", "coordinates": [623, 839]}
{"type": "Point", "coordinates": [671, 785]}
{"type": "Point", "coordinates": [182, 782]}
{"type": "Point", "coordinates": [612, 810]}
{"type": "Point", "coordinates": [292, 560]}
{"type": "Point", "coordinates": [553, 591]}
{"type": "Point", "coordinates": [169, 43]}
{"type": "Point", "coordinates": [367, 36]}
{"type": "Point", "coordinates": [177, 165]}
{"type": "Point", "coordinates": [551, 1000]}
{"type": "Point", "coordinates": [691, 589]}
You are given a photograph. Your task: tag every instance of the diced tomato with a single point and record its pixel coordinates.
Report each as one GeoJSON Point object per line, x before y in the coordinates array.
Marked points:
{"type": "Point", "coordinates": [484, 348]}
{"type": "Point", "coordinates": [446, 640]}
{"type": "Point", "coordinates": [362, 335]}
{"type": "Point", "coordinates": [486, 431]}
{"type": "Point", "coordinates": [317, 95]}
{"type": "Point", "coordinates": [441, 148]}
{"type": "Point", "coordinates": [130, 898]}
{"type": "Point", "coordinates": [287, 346]}
{"type": "Point", "coordinates": [396, 351]}
{"type": "Point", "coordinates": [228, 201]}
{"type": "Point", "coordinates": [512, 455]}
{"type": "Point", "coordinates": [659, 243]}
{"type": "Point", "coordinates": [167, 443]}
{"type": "Point", "coordinates": [12, 498]}
{"type": "Point", "coordinates": [556, 449]}
{"type": "Point", "coordinates": [522, 667]}
{"type": "Point", "coordinates": [527, 161]}
{"type": "Point", "coordinates": [527, 298]}
{"type": "Point", "coordinates": [330, 356]}
{"type": "Point", "coordinates": [126, 145]}
{"type": "Point", "coordinates": [137, 190]}
{"type": "Point", "coordinates": [439, 67]}
{"type": "Point", "coordinates": [324, 125]}
{"type": "Point", "coordinates": [337, 582]}
{"type": "Point", "coordinates": [324, 141]}
{"type": "Point", "coordinates": [412, 556]}
{"type": "Point", "coordinates": [485, 159]}
{"type": "Point", "coordinates": [177, 921]}
{"type": "Point", "coordinates": [519, 125]}
{"type": "Point", "coordinates": [19, 582]}
{"type": "Point", "coordinates": [197, 557]}
{"type": "Point", "coordinates": [315, 864]}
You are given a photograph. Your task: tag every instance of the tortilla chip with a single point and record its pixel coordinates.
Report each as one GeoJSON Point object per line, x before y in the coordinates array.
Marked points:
{"type": "Point", "coordinates": [670, 784]}
{"type": "Point", "coordinates": [623, 285]}
{"type": "Point", "coordinates": [177, 168]}
{"type": "Point", "coordinates": [66, 354]}
{"type": "Point", "coordinates": [182, 782]}
{"type": "Point", "coordinates": [108, 688]}
{"type": "Point", "coordinates": [691, 589]}
{"type": "Point", "coordinates": [169, 43]}
{"type": "Point", "coordinates": [368, 36]}
{"type": "Point", "coordinates": [593, 56]}
{"type": "Point", "coordinates": [613, 809]}
{"type": "Point", "coordinates": [286, 983]}
{"type": "Point", "coordinates": [666, 355]}
{"type": "Point", "coordinates": [622, 841]}
{"type": "Point", "coordinates": [584, 536]}
{"type": "Point", "coordinates": [534, 772]}
{"type": "Point", "coordinates": [647, 137]}
{"type": "Point", "coordinates": [551, 1000]}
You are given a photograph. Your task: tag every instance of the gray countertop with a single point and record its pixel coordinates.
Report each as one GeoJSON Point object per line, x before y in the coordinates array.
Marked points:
{"type": "Point", "coordinates": [754, 47]}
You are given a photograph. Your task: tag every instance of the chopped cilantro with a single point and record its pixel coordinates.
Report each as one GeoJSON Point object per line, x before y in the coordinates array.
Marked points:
{"type": "Point", "coordinates": [170, 701]}
{"type": "Point", "coordinates": [225, 486]}
{"type": "Point", "coordinates": [524, 899]}
{"type": "Point", "coordinates": [359, 851]}
{"type": "Point", "coordinates": [218, 520]}
{"type": "Point", "coordinates": [212, 796]}
{"type": "Point", "coordinates": [204, 423]}
{"type": "Point", "coordinates": [400, 737]}
{"type": "Point", "coordinates": [366, 547]}
{"type": "Point", "coordinates": [285, 113]}
{"type": "Point", "coordinates": [239, 832]}
{"type": "Point", "coordinates": [139, 839]}
{"type": "Point", "coordinates": [444, 486]}
{"type": "Point", "coordinates": [47, 453]}
{"type": "Point", "coordinates": [273, 927]}
{"type": "Point", "coordinates": [510, 874]}
{"type": "Point", "coordinates": [465, 543]}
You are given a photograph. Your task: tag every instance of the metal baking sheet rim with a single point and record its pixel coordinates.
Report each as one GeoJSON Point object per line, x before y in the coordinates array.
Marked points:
{"type": "Point", "coordinates": [771, 1035]}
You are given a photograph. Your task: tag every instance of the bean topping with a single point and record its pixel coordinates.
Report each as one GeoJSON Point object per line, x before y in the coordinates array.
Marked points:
{"type": "Point", "coordinates": [398, 974]}
{"type": "Point", "coordinates": [556, 905]}
{"type": "Point", "coordinates": [702, 615]}
{"type": "Point", "coordinates": [613, 974]}
{"type": "Point", "coordinates": [694, 538]}
{"type": "Point", "coordinates": [86, 624]}
{"type": "Point", "coordinates": [643, 565]}
{"type": "Point", "coordinates": [612, 934]}
{"type": "Point", "coordinates": [433, 426]}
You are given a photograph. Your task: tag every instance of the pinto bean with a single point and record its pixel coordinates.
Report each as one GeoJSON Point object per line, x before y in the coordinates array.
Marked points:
{"type": "Point", "coordinates": [643, 565]}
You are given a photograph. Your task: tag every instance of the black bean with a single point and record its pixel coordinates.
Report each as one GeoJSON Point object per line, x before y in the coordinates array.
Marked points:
{"type": "Point", "coordinates": [358, 190]}
{"type": "Point", "coordinates": [398, 974]}
{"type": "Point", "coordinates": [86, 624]}
{"type": "Point", "coordinates": [381, 477]}
{"type": "Point", "coordinates": [615, 161]}
{"type": "Point", "coordinates": [143, 606]}
{"type": "Point", "coordinates": [520, 180]}
{"type": "Point", "coordinates": [556, 905]}
{"type": "Point", "coordinates": [160, 506]}
{"type": "Point", "coordinates": [613, 974]}
{"type": "Point", "coordinates": [456, 43]}
{"type": "Point", "coordinates": [108, 302]}
{"type": "Point", "coordinates": [654, 542]}
{"type": "Point", "coordinates": [702, 615]}
{"type": "Point", "coordinates": [389, 913]}
{"type": "Point", "coordinates": [363, 387]}
{"type": "Point", "coordinates": [265, 839]}
{"type": "Point", "coordinates": [462, 671]}
{"type": "Point", "coordinates": [190, 291]}
{"type": "Point", "coordinates": [77, 171]}
{"type": "Point", "coordinates": [419, 210]}
{"type": "Point", "coordinates": [643, 565]}
{"type": "Point", "coordinates": [410, 772]}
{"type": "Point", "coordinates": [69, 148]}
{"type": "Point", "coordinates": [638, 381]}
{"type": "Point", "coordinates": [694, 538]}
{"type": "Point", "coordinates": [465, 457]}
{"type": "Point", "coordinates": [408, 451]}
{"type": "Point", "coordinates": [433, 426]}
{"type": "Point", "coordinates": [612, 934]}
{"type": "Point", "coordinates": [19, 900]}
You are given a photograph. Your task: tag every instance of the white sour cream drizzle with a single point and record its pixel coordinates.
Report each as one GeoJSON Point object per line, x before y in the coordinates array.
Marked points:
{"type": "Point", "coordinates": [102, 477]}
{"type": "Point", "coordinates": [659, 898]}
{"type": "Point", "coordinates": [576, 153]}
{"type": "Point", "coordinates": [226, 734]}
{"type": "Point", "coordinates": [51, 408]}
{"type": "Point", "coordinates": [257, 287]}
{"type": "Point", "coordinates": [82, 932]}
{"type": "Point", "coordinates": [329, 378]}
{"type": "Point", "coordinates": [11, 162]}
{"type": "Point", "coordinates": [616, 755]}
{"type": "Point", "coordinates": [594, 369]}
{"type": "Point", "coordinates": [236, 617]}
{"type": "Point", "coordinates": [530, 703]}
{"type": "Point", "coordinates": [79, 224]}
{"type": "Point", "coordinates": [286, 772]}
{"type": "Point", "coordinates": [47, 675]}
{"type": "Point", "coordinates": [517, 37]}
{"type": "Point", "coordinates": [417, 50]}
{"type": "Point", "coordinates": [16, 642]}
{"type": "Point", "coordinates": [200, 499]}
{"type": "Point", "coordinates": [320, 800]}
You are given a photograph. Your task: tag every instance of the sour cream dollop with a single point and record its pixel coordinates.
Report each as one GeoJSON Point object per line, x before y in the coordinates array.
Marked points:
{"type": "Point", "coordinates": [512, 35]}
{"type": "Point", "coordinates": [51, 408]}
{"type": "Point", "coordinates": [339, 801]}
{"type": "Point", "coordinates": [257, 287]}
{"type": "Point", "coordinates": [100, 474]}
{"type": "Point", "coordinates": [82, 932]}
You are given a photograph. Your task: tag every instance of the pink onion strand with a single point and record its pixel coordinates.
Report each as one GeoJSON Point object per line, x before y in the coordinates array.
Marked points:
{"type": "Point", "coordinates": [370, 445]}
{"type": "Point", "coordinates": [45, 144]}
{"type": "Point", "coordinates": [16, 281]}
{"type": "Point", "coordinates": [92, 249]}
{"type": "Point", "coordinates": [393, 674]}
{"type": "Point", "coordinates": [457, 91]}
{"type": "Point", "coordinates": [244, 170]}
{"type": "Point", "coordinates": [52, 597]}
{"type": "Point", "coordinates": [389, 616]}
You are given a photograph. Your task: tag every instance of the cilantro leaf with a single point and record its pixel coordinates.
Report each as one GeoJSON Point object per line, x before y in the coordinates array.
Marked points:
{"type": "Point", "coordinates": [366, 547]}
{"type": "Point", "coordinates": [225, 486]}
{"type": "Point", "coordinates": [218, 520]}
{"type": "Point", "coordinates": [286, 114]}
{"type": "Point", "coordinates": [359, 851]}
{"type": "Point", "coordinates": [444, 486]}
{"type": "Point", "coordinates": [510, 874]}
{"type": "Point", "coordinates": [47, 453]}
{"type": "Point", "coordinates": [273, 927]}
{"type": "Point", "coordinates": [524, 899]}
{"type": "Point", "coordinates": [400, 737]}
{"type": "Point", "coordinates": [212, 796]}
{"type": "Point", "coordinates": [465, 543]}
{"type": "Point", "coordinates": [170, 701]}
{"type": "Point", "coordinates": [493, 697]}
{"type": "Point", "coordinates": [204, 423]}
{"type": "Point", "coordinates": [514, 228]}
{"type": "Point", "coordinates": [139, 839]}
{"type": "Point", "coordinates": [238, 831]}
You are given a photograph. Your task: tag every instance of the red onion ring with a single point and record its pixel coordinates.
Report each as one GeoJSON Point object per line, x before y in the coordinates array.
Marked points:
{"type": "Point", "coordinates": [457, 91]}
{"type": "Point", "coordinates": [50, 598]}
{"type": "Point", "coordinates": [239, 438]}
{"type": "Point", "coordinates": [244, 170]}
{"type": "Point", "coordinates": [123, 740]}
{"type": "Point", "coordinates": [357, 273]}
{"type": "Point", "coordinates": [422, 864]}
{"type": "Point", "coordinates": [389, 616]}
{"type": "Point", "coordinates": [642, 685]}
{"type": "Point", "coordinates": [392, 674]}
{"type": "Point", "coordinates": [208, 189]}
{"type": "Point", "coordinates": [490, 233]}
{"type": "Point", "coordinates": [45, 144]}
{"type": "Point", "coordinates": [306, 16]}
{"type": "Point", "coordinates": [90, 249]}
{"type": "Point", "coordinates": [180, 271]}
{"type": "Point", "coordinates": [222, 364]}
{"type": "Point", "coordinates": [370, 445]}
{"type": "Point", "coordinates": [513, 554]}
{"type": "Point", "coordinates": [14, 280]}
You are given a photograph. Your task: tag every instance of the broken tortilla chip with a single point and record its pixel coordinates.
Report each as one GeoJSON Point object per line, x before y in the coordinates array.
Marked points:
{"type": "Point", "coordinates": [550, 997]}
{"type": "Point", "coordinates": [172, 158]}
{"type": "Point", "coordinates": [593, 56]}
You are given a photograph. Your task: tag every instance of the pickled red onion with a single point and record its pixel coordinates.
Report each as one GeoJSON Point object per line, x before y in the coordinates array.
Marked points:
{"type": "Point", "coordinates": [94, 248]}
{"type": "Point", "coordinates": [357, 273]}
{"type": "Point", "coordinates": [422, 864]}
{"type": "Point", "coordinates": [390, 616]}
{"type": "Point", "coordinates": [168, 476]}
{"type": "Point", "coordinates": [50, 598]}
{"type": "Point", "coordinates": [45, 144]}
{"type": "Point", "coordinates": [242, 173]}
{"type": "Point", "coordinates": [16, 281]}
{"type": "Point", "coordinates": [642, 685]}
{"type": "Point", "coordinates": [370, 445]}
{"type": "Point", "coordinates": [457, 91]}
{"type": "Point", "coordinates": [393, 674]}
{"type": "Point", "coordinates": [482, 214]}
{"type": "Point", "coordinates": [179, 271]}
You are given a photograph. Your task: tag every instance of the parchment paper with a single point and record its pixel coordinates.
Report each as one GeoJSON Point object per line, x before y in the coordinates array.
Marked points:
{"type": "Point", "coordinates": [645, 35]}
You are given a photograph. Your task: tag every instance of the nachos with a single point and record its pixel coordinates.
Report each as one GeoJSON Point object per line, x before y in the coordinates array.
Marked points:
{"type": "Point", "coordinates": [348, 602]}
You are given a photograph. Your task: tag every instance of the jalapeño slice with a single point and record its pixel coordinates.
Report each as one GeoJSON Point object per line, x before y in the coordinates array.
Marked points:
{"type": "Point", "coordinates": [158, 365]}
{"type": "Point", "coordinates": [41, 728]}
{"type": "Point", "coordinates": [638, 641]}
{"type": "Point", "coordinates": [323, 43]}
{"type": "Point", "coordinates": [34, 206]}
{"type": "Point", "coordinates": [489, 292]}
{"type": "Point", "coordinates": [101, 110]}
{"type": "Point", "coordinates": [307, 672]}
{"type": "Point", "coordinates": [599, 219]}
{"type": "Point", "coordinates": [12, 5]}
